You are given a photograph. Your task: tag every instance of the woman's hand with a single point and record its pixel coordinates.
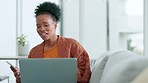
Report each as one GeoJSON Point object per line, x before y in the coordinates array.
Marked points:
{"type": "Point", "coordinates": [16, 72]}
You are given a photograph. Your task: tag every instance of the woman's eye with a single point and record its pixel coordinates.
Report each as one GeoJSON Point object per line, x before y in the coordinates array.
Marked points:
{"type": "Point", "coordinates": [46, 25]}
{"type": "Point", "coordinates": [38, 26]}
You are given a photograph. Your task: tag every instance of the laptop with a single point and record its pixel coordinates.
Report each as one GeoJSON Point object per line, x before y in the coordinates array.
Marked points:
{"type": "Point", "coordinates": [57, 70]}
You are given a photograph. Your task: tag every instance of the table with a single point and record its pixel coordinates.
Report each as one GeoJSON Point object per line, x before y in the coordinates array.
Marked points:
{"type": "Point", "coordinates": [10, 58]}
{"type": "Point", "coordinates": [13, 58]}
{"type": "Point", "coordinates": [3, 78]}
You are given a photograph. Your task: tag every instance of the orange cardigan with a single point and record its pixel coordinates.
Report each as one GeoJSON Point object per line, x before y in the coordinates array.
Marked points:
{"type": "Point", "coordinates": [68, 48]}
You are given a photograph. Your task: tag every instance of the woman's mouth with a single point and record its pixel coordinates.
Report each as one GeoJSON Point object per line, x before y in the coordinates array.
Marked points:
{"type": "Point", "coordinates": [44, 34]}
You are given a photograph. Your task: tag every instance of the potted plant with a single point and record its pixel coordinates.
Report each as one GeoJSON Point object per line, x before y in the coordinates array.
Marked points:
{"type": "Point", "coordinates": [23, 45]}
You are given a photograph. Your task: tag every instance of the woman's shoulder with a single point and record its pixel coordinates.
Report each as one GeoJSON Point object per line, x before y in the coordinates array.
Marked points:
{"type": "Point", "coordinates": [39, 46]}
{"type": "Point", "coordinates": [36, 50]}
{"type": "Point", "coordinates": [69, 40]}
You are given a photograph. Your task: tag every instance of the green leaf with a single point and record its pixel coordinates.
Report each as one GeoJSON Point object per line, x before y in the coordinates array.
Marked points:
{"type": "Point", "coordinates": [21, 40]}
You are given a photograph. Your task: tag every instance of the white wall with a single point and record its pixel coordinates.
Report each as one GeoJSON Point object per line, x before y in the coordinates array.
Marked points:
{"type": "Point", "coordinates": [71, 18]}
{"type": "Point", "coordinates": [85, 20]}
{"type": "Point", "coordinates": [116, 22]}
{"type": "Point", "coordinates": [146, 27]}
{"type": "Point", "coordinates": [8, 28]}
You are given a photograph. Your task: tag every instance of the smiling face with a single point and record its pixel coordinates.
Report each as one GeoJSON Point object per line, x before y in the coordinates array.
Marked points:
{"type": "Point", "coordinates": [46, 27]}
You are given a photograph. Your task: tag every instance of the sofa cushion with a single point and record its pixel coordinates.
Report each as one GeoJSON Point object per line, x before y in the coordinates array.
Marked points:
{"type": "Point", "coordinates": [98, 68]}
{"type": "Point", "coordinates": [142, 77]}
{"type": "Point", "coordinates": [126, 70]}
{"type": "Point", "coordinates": [114, 59]}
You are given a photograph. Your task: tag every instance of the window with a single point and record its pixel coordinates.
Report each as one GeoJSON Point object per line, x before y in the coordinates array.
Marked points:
{"type": "Point", "coordinates": [135, 22]}
{"type": "Point", "coordinates": [126, 25]}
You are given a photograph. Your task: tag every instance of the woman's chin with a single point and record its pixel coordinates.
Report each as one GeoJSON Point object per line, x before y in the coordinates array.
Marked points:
{"type": "Point", "coordinates": [45, 39]}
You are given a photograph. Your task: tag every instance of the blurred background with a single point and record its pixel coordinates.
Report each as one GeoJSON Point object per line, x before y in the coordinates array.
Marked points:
{"type": "Point", "coordinates": [99, 25]}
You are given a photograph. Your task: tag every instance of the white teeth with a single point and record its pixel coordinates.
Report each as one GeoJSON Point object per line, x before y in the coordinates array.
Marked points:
{"type": "Point", "coordinates": [44, 33]}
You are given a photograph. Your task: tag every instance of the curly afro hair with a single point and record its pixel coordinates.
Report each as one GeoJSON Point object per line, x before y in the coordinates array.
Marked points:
{"type": "Point", "coordinates": [48, 8]}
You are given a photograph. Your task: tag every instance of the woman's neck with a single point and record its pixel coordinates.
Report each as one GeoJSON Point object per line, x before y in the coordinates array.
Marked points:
{"type": "Point", "coordinates": [51, 42]}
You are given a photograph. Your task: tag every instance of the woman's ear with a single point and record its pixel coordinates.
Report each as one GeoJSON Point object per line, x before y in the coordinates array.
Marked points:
{"type": "Point", "coordinates": [55, 25]}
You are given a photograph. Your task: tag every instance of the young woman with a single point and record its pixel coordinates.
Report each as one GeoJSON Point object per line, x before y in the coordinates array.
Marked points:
{"type": "Point", "coordinates": [54, 46]}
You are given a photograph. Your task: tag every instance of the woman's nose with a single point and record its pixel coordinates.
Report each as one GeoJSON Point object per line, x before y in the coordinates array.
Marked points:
{"type": "Point", "coordinates": [43, 29]}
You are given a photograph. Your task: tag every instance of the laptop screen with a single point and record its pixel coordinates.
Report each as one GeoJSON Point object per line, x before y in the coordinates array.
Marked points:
{"type": "Point", "coordinates": [57, 70]}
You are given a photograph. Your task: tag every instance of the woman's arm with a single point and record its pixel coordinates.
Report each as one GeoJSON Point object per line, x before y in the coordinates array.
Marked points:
{"type": "Point", "coordinates": [83, 68]}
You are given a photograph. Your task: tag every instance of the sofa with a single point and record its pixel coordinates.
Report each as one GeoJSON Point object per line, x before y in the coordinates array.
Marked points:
{"type": "Point", "coordinates": [120, 67]}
